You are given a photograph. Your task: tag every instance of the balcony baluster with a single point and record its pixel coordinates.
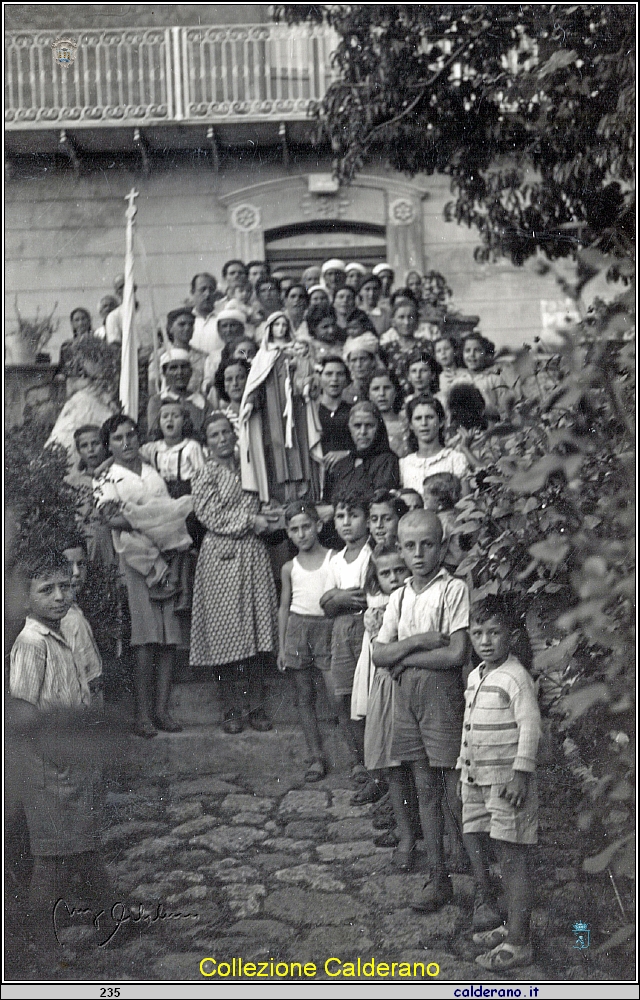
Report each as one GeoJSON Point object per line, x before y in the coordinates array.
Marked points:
{"type": "Point", "coordinates": [154, 75]}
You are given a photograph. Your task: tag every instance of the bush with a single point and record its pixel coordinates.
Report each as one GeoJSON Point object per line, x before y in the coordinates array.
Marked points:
{"type": "Point", "coordinates": [45, 506]}
{"type": "Point", "coordinates": [553, 520]}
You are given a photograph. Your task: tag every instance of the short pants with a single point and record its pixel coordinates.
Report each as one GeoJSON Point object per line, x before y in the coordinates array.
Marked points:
{"type": "Point", "coordinates": [346, 643]}
{"type": "Point", "coordinates": [308, 642]}
{"type": "Point", "coordinates": [483, 811]}
{"type": "Point", "coordinates": [427, 717]}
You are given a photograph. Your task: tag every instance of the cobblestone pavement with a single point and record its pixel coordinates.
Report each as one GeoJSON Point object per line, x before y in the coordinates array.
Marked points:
{"type": "Point", "coordinates": [223, 830]}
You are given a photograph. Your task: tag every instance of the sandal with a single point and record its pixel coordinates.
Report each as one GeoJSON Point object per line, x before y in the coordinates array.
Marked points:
{"type": "Point", "coordinates": [316, 771]}
{"type": "Point", "coordinates": [485, 915]}
{"type": "Point", "coordinates": [506, 956]}
{"type": "Point", "coordinates": [492, 938]}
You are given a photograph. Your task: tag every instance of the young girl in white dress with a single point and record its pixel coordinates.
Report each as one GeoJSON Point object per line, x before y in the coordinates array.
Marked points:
{"type": "Point", "coordinates": [177, 457]}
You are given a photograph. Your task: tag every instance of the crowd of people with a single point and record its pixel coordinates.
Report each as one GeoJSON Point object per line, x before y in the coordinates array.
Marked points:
{"type": "Point", "coordinates": [288, 498]}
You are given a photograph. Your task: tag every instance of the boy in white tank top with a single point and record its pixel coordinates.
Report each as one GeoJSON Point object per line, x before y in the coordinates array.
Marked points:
{"type": "Point", "coordinates": [304, 631]}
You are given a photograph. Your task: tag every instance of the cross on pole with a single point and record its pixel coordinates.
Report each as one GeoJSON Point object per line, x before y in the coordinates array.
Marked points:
{"type": "Point", "coordinates": [129, 356]}
{"type": "Point", "coordinates": [130, 198]}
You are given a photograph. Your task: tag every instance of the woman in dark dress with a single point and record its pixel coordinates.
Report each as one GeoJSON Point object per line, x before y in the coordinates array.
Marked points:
{"type": "Point", "coordinates": [333, 411]}
{"type": "Point", "coordinates": [370, 464]}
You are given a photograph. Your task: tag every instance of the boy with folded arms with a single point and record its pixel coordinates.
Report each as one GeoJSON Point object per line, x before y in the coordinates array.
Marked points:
{"type": "Point", "coordinates": [423, 643]}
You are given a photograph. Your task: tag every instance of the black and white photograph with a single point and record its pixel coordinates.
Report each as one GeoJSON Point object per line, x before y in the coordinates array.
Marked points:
{"type": "Point", "coordinates": [319, 494]}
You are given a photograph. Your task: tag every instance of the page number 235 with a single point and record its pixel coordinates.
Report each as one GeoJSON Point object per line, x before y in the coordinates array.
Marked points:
{"type": "Point", "coordinates": [110, 991]}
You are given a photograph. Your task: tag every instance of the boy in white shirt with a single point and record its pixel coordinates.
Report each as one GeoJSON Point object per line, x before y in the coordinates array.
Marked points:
{"type": "Point", "coordinates": [423, 642]}
{"type": "Point", "coordinates": [49, 693]}
{"type": "Point", "coordinates": [304, 631]}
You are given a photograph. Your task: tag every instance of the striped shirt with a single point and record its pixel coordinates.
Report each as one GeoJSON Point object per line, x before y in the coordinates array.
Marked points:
{"type": "Point", "coordinates": [501, 725]}
{"type": "Point", "coordinates": [43, 670]}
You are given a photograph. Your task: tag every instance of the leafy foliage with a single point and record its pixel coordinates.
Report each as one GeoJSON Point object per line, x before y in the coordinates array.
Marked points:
{"type": "Point", "coordinates": [529, 108]}
{"type": "Point", "coordinates": [553, 521]}
{"type": "Point", "coordinates": [37, 332]}
{"type": "Point", "coordinates": [91, 357]}
{"type": "Point", "coordinates": [44, 505]}
{"type": "Point", "coordinates": [47, 514]}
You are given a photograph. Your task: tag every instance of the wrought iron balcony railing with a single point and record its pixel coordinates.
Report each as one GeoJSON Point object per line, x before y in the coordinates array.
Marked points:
{"type": "Point", "coordinates": [150, 76]}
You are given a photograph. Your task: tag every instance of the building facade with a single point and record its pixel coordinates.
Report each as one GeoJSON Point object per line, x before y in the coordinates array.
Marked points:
{"type": "Point", "coordinates": [204, 109]}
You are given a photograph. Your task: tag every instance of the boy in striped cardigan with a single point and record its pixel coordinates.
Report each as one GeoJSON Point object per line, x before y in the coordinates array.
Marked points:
{"type": "Point", "coordinates": [498, 787]}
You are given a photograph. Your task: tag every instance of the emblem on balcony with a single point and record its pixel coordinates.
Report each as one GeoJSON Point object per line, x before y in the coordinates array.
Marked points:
{"type": "Point", "coordinates": [402, 212]}
{"type": "Point", "coordinates": [64, 51]}
{"type": "Point", "coordinates": [245, 218]}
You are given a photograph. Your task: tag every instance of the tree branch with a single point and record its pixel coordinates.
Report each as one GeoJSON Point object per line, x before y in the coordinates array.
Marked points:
{"type": "Point", "coordinates": [414, 103]}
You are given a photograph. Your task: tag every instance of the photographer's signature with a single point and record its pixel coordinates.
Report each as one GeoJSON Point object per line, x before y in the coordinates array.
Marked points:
{"type": "Point", "coordinates": [110, 921]}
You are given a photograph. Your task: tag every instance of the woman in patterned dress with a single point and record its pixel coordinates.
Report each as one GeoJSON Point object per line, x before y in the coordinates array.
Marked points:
{"type": "Point", "coordinates": [234, 616]}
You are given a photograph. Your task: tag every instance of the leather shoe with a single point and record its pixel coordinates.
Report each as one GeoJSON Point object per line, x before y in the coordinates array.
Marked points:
{"type": "Point", "coordinates": [404, 860]}
{"type": "Point", "coordinates": [368, 793]}
{"type": "Point", "coordinates": [485, 913]}
{"type": "Point", "coordinates": [387, 839]}
{"type": "Point", "coordinates": [383, 822]}
{"type": "Point", "coordinates": [167, 724]}
{"type": "Point", "coordinates": [163, 591]}
{"type": "Point", "coordinates": [145, 728]}
{"type": "Point", "coordinates": [258, 720]}
{"type": "Point", "coordinates": [438, 891]}
{"type": "Point", "coordinates": [232, 723]}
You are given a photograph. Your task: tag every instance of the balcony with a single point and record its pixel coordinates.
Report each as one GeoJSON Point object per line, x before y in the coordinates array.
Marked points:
{"type": "Point", "coordinates": [166, 76]}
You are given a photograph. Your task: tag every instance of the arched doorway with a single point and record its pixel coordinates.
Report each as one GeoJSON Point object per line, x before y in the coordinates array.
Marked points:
{"type": "Point", "coordinates": [282, 221]}
{"type": "Point", "coordinates": [294, 247]}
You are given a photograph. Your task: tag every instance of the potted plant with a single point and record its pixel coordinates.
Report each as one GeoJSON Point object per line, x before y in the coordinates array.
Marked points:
{"type": "Point", "coordinates": [24, 344]}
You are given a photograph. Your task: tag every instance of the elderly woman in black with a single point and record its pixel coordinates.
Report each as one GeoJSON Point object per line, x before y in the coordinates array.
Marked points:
{"type": "Point", "coordinates": [370, 464]}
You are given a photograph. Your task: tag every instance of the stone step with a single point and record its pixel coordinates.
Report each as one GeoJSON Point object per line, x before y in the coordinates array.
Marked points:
{"type": "Point", "coordinates": [198, 702]}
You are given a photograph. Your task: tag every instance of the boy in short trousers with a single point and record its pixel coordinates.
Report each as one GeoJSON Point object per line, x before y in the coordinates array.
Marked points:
{"type": "Point", "coordinates": [497, 765]}
{"type": "Point", "coordinates": [304, 631]}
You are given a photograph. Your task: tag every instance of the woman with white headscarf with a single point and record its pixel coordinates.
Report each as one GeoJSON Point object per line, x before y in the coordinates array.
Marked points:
{"type": "Point", "coordinates": [361, 356]}
{"type": "Point", "coordinates": [230, 327]}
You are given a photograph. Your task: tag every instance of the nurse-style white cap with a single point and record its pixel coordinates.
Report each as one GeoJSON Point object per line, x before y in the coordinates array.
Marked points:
{"type": "Point", "coordinates": [333, 265]}
{"type": "Point", "coordinates": [381, 268]}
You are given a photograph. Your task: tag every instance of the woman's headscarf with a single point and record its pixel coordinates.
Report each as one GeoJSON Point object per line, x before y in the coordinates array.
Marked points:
{"type": "Point", "coordinates": [380, 444]}
{"type": "Point", "coordinates": [318, 288]}
{"type": "Point", "coordinates": [232, 314]}
{"type": "Point", "coordinates": [174, 354]}
{"type": "Point", "coordinates": [365, 342]}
